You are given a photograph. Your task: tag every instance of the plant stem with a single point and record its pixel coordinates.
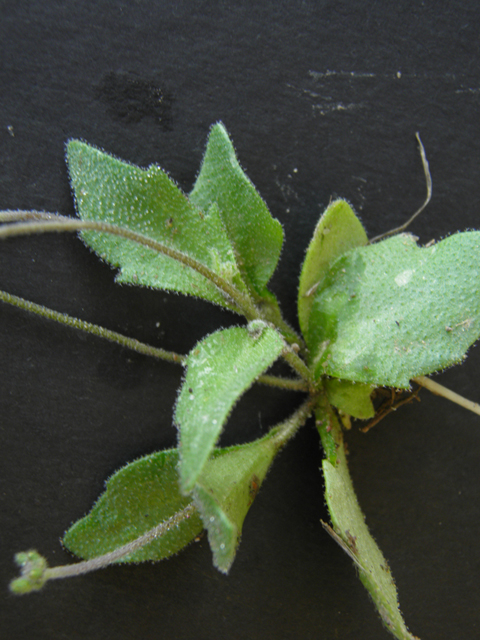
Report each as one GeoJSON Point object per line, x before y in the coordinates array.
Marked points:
{"type": "Point", "coordinates": [289, 334]}
{"type": "Point", "coordinates": [95, 329]}
{"type": "Point", "coordinates": [300, 367]}
{"type": "Point", "coordinates": [131, 343]}
{"type": "Point", "coordinates": [280, 434]}
{"type": "Point", "coordinates": [271, 313]}
{"type": "Point", "coordinates": [440, 390]}
{"type": "Point", "coordinates": [10, 215]}
{"type": "Point", "coordinates": [47, 223]}
{"type": "Point", "coordinates": [292, 384]}
{"type": "Point", "coordinates": [71, 570]}
{"type": "Point", "coordinates": [287, 429]}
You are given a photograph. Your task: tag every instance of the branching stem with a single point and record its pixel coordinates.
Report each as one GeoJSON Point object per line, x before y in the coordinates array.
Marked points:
{"type": "Point", "coordinates": [131, 343]}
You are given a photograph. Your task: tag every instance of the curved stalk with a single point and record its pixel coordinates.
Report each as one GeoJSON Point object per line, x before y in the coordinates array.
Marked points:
{"type": "Point", "coordinates": [48, 223]}
{"type": "Point", "coordinates": [291, 384]}
{"type": "Point", "coordinates": [34, 569]}
{"type": "Point", "coordinates": [41, 222]}
{"type": "Point", "coordinates": [94, 329]}
{"type": "Point", "coordinates": [69, 570]}
{"type": "Point", "coordinates": [289, 334]}
{"type": "Point", "coordinates": [35, 572]}
{"type": "Point", "coordinates": [428, 181]}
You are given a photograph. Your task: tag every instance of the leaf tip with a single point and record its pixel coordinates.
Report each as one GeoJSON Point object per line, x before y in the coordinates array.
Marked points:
{"type": "Point", "coordinates": [72, 145]}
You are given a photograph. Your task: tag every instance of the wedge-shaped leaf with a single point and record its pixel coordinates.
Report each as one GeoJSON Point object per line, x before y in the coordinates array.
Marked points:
{"type": "Point", "coordinates": [255, 235]}
{"type": "Point", "coordinates": [138, 497]}
{"type": "Point", "coordinates": [220, 369]}
{"type": "Point", "coordinates": [350, 397]}
{"type": "Point", "coordinates": [225, 491]}
{"type": "Point", "coordinates": [349, 526]}
{"type": "Point", "coordinates": [392, 311]}
{"type": "Point", "coordinates": [148, 202]}
{"type": "Point", "coordinates": [337, 231]}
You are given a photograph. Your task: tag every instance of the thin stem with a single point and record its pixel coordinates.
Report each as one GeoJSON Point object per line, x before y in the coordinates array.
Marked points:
{"type": "Point", "coordinates": [271, 313]}
{"type": "Point", "coordinates": [290, 335]}
{"type": "Point", "coordinates": [95, 329]}
{"type": "Point", "coordinates": [10, 215]}
{"type": "Point", "coordinates": [299, 366]}
{"type": "Point", "coordinates": [35, 573]}
{"type": "Point", "coordinates": [71, 570]}
{"type": "Point", "coordinates": [287, 429]}
{"type": "Point", "coordinates": [428, 180]}
{"type": "Point", "coordinates": [290, 384]}
{"type": "Point", "coordinates": [440, 390]}
{"type": "Point", "coordinates": [47, 223]}
{"type": "Point", "coordinates": [131, 343]}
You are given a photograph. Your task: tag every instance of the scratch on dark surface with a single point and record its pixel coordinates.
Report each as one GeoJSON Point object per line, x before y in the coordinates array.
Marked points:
{"type": "Point", "coordinates": [331, 91]}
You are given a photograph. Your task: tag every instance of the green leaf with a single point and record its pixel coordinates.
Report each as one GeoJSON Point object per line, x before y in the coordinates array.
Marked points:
{"type": "Point", "coordinates": [145, 493]}
{"type": "Point", "coordinates": [338, 231]}
{"type": "Point", "coordinates": [148, 202]}
{"type": "Point", "coordinates": [220, 369]}
{"type": "Point", "coordinates": [138, 497]}
{"type": "Point", "coordinates": [225, 491]}
{"type": "Point", "coordinates": [255, 235]}
{"type": "Point", "coordinates": [349, 525]}
{"type": "Point", "coordinates": [392, 311]}
{"type": "Point", "coordinates": [350, 397]}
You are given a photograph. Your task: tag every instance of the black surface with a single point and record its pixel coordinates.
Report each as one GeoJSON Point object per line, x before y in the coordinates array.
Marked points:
{"type": "Point", "coordinates": [321, 99]}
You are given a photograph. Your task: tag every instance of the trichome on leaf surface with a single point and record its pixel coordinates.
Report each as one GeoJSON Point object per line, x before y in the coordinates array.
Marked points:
{"type": "Point", "coordinates": [372, 315]}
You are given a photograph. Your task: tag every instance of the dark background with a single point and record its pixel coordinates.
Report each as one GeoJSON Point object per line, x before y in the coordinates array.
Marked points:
{"type": "Point", "coordinates": [322, 98]}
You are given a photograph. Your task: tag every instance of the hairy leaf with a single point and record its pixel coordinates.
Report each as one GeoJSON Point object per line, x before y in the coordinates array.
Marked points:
{"type": "Point", "coordinates": [350, 397]}
{"type": "Point", "coordinates": [220, 369]}
{"type": "Point", "coordinates": [337, 231]}
{"type": "Point", "coordinates": [138, 497]}
{"type": "Point", "coordinates": [392, 311]}
{"type": "Point", "coordinates": [255, 235]}
{"type": "Point", "coordinates": [349, 525]}
{"type": "Point", "coordinates": [148, 202]}
{"type": "Point", "coordinates": [225, 491]}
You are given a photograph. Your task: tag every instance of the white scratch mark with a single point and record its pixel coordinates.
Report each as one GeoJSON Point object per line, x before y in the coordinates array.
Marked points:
{"type": "Point", "coordinates": [345, 74]}
{"type": "Point", "coordinates": [323, 110]}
